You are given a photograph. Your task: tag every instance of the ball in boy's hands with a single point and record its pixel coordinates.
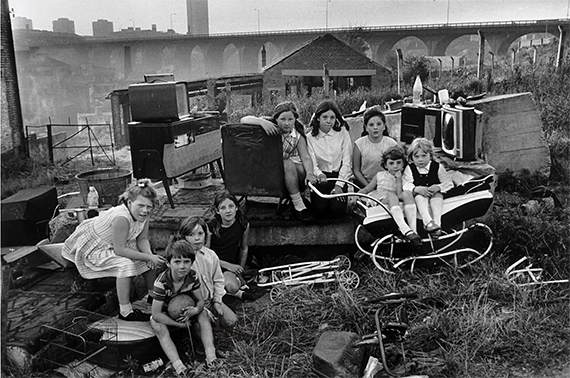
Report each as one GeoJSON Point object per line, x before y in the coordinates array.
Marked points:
{"type": "Point", "coordinates": [178, 304]}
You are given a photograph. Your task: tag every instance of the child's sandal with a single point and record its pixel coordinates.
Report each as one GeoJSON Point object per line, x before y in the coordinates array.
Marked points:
{"type": "Point", "coordinates": [181, 372]}
{"type": "Point", "coordinates": [214, 364]}
{"type": "Point", "coordinates": [435, 234]}
{"type": "Point", "coordinates": [431, 227]}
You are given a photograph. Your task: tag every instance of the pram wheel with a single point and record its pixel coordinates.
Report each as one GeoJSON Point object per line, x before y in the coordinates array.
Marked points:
{"type": "Point", "coordinates": [344, 263]}
{"type": "Point", "coordinates": [276, 292]}
{"type": "Point", "coordinates": [349, 280]}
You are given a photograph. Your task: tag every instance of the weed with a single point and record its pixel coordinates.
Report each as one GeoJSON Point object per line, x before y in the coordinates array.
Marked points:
{"type": "Point", "coordinates": [18, 174]}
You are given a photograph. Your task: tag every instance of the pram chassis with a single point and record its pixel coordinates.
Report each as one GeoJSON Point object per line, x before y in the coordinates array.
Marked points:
{"type": "Point", "coordinates": [439, 253]}
{"type": "Point", "coordinates": [309, 273]}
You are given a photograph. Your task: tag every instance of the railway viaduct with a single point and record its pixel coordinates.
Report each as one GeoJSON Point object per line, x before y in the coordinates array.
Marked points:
{"type": "Point", "coordinates": [191, 57]}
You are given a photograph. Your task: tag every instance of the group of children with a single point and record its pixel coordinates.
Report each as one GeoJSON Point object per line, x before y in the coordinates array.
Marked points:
{"type": "Point", "coordinates": [376, 163]}
{"type": "Point", "coordinates": [115, 244]}
{"type": "Point", "coordinates": [208, 260]}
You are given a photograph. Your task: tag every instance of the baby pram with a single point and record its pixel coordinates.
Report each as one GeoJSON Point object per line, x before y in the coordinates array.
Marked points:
{"type": "Point", "coordinates": [459, 246]}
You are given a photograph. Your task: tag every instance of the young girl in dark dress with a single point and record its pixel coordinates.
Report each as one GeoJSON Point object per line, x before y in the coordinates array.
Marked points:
{"type": "Point", "coordinates": [229, 240]}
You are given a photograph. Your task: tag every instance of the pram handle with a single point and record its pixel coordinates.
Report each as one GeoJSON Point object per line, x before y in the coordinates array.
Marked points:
{"type": "Point", "coordinates": [341, 195]}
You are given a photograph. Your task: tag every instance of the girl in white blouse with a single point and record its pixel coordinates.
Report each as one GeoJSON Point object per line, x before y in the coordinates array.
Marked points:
{"type": "Point", "coordinates": [330, 149]}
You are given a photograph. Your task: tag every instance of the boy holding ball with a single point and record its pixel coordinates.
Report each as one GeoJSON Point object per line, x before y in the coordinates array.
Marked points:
{"type": "Point", "coordinates": [179, 278]}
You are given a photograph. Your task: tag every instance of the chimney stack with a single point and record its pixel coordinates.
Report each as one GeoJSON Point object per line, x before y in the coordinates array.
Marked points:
{"type": "Point", "coordinates": [263, 57]}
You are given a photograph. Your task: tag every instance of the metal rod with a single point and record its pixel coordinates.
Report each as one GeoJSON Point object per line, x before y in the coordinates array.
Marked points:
{"type": "Point", "coordinates": [90, 146]}
{"type": "Point", "coordinates": [50, 142]}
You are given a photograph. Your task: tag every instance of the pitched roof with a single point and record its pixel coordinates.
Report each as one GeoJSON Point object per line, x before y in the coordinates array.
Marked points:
{"type": "Point", "coordinates": [326, 49]}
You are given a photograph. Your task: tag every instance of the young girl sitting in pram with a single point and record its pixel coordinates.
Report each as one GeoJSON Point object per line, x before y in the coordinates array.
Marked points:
{"type": "Point", "coordinates": [386, 186]}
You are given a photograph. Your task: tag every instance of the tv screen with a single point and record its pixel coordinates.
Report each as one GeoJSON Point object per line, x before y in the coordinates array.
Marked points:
{"type": "Point", "coordinates": [421, 122]}
{"type": "Point", "coordinates": [450, 128]}
{"type": "Point", "coordinates": [458, 129]}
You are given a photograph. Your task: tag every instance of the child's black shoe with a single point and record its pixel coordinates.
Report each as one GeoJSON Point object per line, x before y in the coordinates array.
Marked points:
{"type": "Point", "coordinates": [414, 238]}
{"type": "Point", "coordinates": [305, 216]}
{"type": "Point", "coordinates": [135, 316]}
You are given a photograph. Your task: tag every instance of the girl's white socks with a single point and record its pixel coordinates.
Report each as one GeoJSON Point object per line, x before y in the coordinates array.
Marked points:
{"type": "Point", "coordinates": [411, 212]}
{"type": "Point", "coordinates": [399, 218]}
{"type": "Point", "coordinates": [125, 309]}
{"type": "Point", "coordinates": [298, 203]}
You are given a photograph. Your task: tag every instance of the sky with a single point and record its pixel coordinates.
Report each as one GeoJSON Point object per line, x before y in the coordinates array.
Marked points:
{"type": "Point", "coordinates": [227, 16]}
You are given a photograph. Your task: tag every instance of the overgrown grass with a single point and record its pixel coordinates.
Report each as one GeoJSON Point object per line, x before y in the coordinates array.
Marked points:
{"type": "Point", "coordinates": [19, 173]}
{"type": "Point", "coordinates": [478, 323]}
{"type": "Point", "coordinates": [473, 322]}
{"type": "Point", "coordinates": [23, 173]}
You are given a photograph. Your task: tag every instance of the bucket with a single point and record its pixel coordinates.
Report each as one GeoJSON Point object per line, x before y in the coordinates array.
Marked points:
{"type": "Point", "coordinates": [109, 182]}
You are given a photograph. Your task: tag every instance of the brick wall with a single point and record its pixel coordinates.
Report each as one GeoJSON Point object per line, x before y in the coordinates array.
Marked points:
{"type": "Point", "coordinates": [12, 137]}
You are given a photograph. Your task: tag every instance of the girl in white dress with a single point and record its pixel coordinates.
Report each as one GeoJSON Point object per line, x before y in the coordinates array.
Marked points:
{"type": "Point", "coordinates": [115, 244]}
{"type": "Point", "coordinates": [386, 186]}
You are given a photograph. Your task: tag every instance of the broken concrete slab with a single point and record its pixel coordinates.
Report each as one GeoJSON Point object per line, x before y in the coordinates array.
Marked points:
{"type": "Point", "coordinates": [512, 135]}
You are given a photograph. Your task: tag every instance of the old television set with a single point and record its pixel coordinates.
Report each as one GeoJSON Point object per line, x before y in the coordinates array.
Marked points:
{"type": "Point", "coordinates": [158, 78]}
{"type": "Point", "coordinates": [420, 121]}
{"type": "Point", "coordinates": [458, 132]}
{"type": "Point", "coordinates": [159, 101]}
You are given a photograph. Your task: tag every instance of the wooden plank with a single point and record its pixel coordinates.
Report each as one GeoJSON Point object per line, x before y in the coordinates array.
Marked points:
{"type": "Point", "coordinates": [19, 253]}
{"type": "Point", "coordinates": [179, 160]}
{"type": "Point", "coordinates": [301, 234]}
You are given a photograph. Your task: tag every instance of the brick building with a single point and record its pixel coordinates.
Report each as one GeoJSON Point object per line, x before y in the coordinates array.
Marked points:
{"type": "Point", "coordinates": [102, 28]}
{"type": "Point", "coordinates": [303, 69]}
{"type": "Point", "coordinates": [63, 25]}
{"type": "Point", "coordinates": [197, 12]}
{"type": "Point", "coordinates": [22, 23]}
